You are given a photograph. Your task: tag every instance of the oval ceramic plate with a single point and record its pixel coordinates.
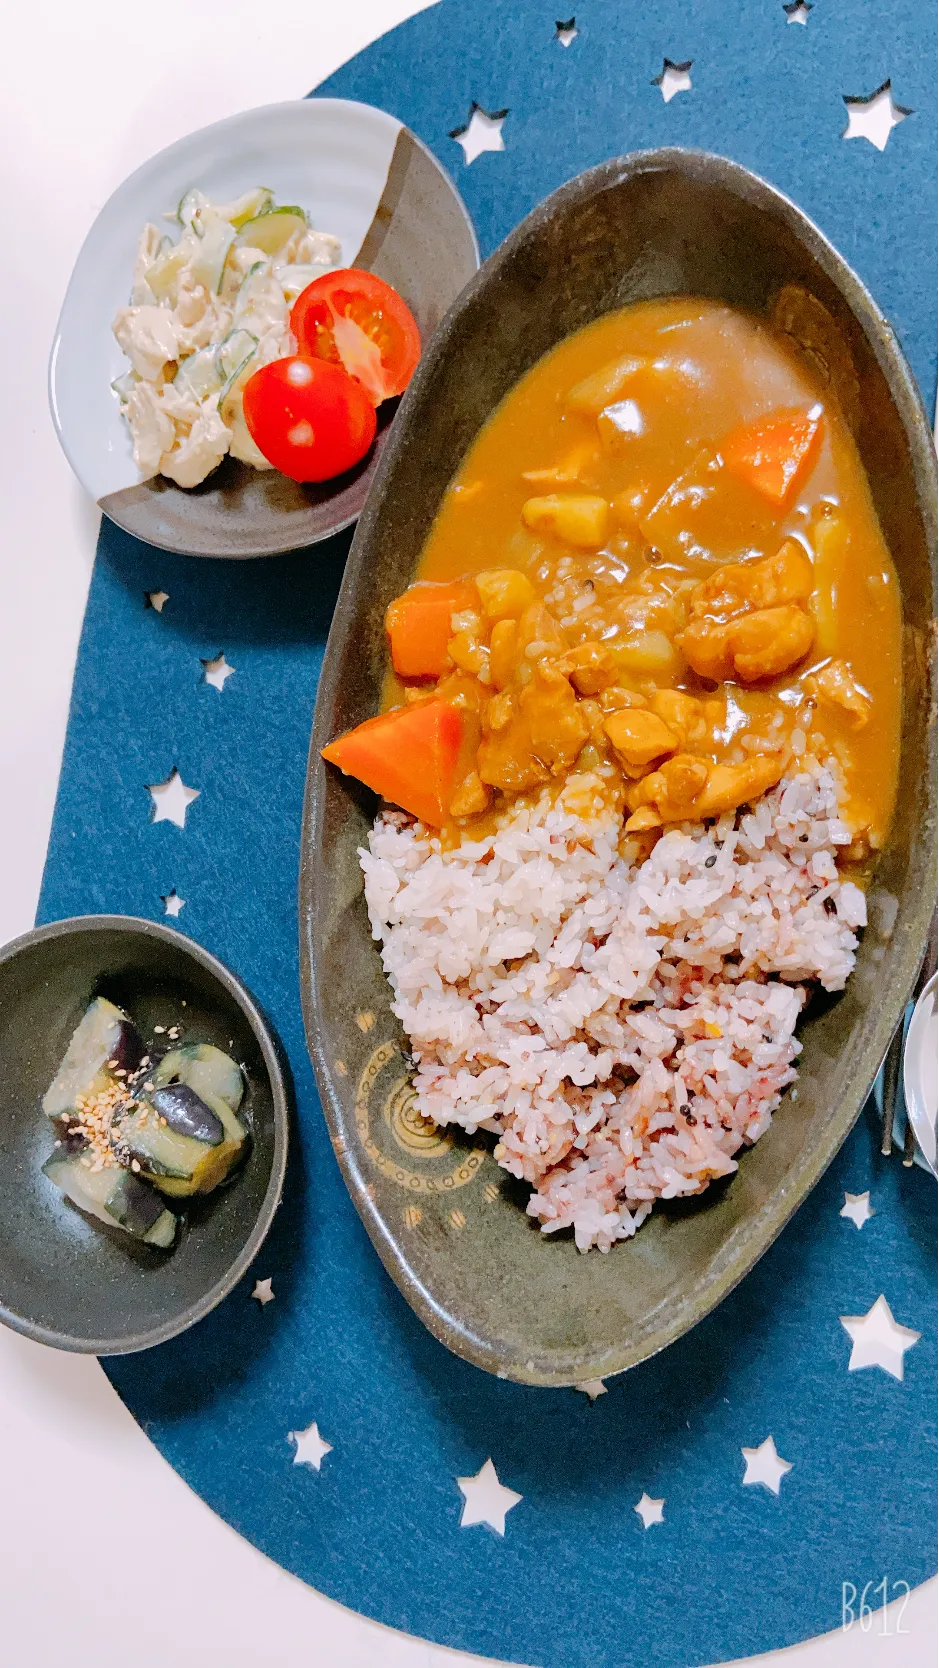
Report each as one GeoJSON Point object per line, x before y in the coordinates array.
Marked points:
{"type": "Point", "coordinates": [448, 1224]}
{"type": "Point", "coordinates": [360, 175]}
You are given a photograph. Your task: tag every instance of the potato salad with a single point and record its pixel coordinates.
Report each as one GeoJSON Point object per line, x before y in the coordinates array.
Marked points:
{"type": "Point", "coordinates": [208, 308]}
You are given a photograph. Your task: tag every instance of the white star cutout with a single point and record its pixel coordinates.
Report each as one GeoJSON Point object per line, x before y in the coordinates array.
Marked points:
{"type": "Point", "coordinates": [172, 903]}
{"type": "Point", "coordinates": [170, 799]}
{"type": "Point", "coordinates": [798, 11]}
{"type": "Point", "coordinates": [877, 1340]}
{"type": "Point", "coordinates": [264, 1293]}
{"type": "Point", "coordinates": [857, 1208]}
{"type": "Point", "coordinates": [216, 671]}
{"type": "Point", "coordinates": [765, 1466]}
{"type": "Point", "coordinates": [566, 32]}
{"type": "Point", "coordinates": [675, 78]}
{"type": "Point", "coordinates": [592, 1387]}
{"type": "Point", "coordinates": [311, 1449]}
{"type": "Point", "coordinates": [483, 132]}
{"type": "Point", "coordinates": [156, 599]}
{"type": "Point", "coordinates": [649, 1510]}
{"type": "Point", "coordinates": [874, 117]}
{"type": "Point", "coordinates": [485, 1500]}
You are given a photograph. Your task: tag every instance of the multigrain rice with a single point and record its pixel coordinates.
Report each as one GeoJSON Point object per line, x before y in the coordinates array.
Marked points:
{"type": "Point", "coordinates": [624, 1029]}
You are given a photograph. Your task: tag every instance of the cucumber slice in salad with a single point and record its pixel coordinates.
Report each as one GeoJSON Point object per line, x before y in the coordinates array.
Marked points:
{"type": "Point", "coordinates": [124, 385]}
{"type": "Point", "coordinates": [269, 232]}
{"type": "Point", "coordinates": [198, 375]}
{"type": "Point", "coordinates": [190, 205]}
{"type": "Point", "coordinates": [207, 263]}
{"type": "Point", "coordinates": [257, 201]}
{"type": "Point", "coordinates": [232, 356]}
{"type": "Point", "coordinates": [164, 272]}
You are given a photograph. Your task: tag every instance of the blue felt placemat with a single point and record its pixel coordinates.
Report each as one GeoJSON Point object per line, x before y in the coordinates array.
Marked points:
{"type": "Point", "coordinates": [577, 1582]}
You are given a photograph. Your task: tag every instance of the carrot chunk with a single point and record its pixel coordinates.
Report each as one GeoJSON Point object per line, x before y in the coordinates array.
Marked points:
{"type": "Point", "coordinates": [775, 454]}
{"type": "Point", "coordinates": [410, 756]}
{"type": "Point", "coordinates": [418, 624]}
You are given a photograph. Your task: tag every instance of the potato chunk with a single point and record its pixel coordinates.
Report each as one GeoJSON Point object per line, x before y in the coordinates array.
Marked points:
{"type": "Point", "coordinates": [505, 593]}
{"type": "Point", "coordinates": [639, 736]}
{"type": "Point", "coordinates": [646, 654]}
{"type": "Point", "coordinates": [577, 519]}
{"type": "Point", "coordinates": [603, 387]}
{"type": "Point", "coordinates": [502, 647]}
{"type": "Point", "coordinates": [832, 543]}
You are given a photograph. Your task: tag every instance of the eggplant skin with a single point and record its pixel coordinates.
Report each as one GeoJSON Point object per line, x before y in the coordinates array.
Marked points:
{"type": "Point", "coordinates": [114, 1196]}
{"type": "Point", "coordinates": [187, 1114]}
{"type": "Point", "coordinates": [104, 1034]}
{"type": "Point", "coordinates": [206, 1069]}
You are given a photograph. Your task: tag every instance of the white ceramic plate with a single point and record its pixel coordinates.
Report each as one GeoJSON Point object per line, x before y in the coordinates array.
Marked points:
{"type": "Point", "coordinates": [361, 175]}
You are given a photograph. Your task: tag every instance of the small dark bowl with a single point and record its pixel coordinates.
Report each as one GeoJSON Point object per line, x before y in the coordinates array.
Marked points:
{"type": "Point", "coordinates": [65, 1279]}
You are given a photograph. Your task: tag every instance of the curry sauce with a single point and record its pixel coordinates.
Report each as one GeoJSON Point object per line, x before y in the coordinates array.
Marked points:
{"type": "Point", "coordinates": [630, 576]}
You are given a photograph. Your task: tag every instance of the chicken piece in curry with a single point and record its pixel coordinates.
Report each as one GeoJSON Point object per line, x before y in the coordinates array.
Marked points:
{"type": "Point", "coordinates": [659, 562]}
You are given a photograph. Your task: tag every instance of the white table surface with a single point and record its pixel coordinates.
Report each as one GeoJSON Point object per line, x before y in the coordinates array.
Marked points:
{"type": "Point", "coordinates": [87, 92]}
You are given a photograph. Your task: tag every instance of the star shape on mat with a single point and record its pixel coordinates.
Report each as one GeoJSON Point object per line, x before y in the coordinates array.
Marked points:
{"type": "Point", "coordinates": [566, 32]}
{"type": "Point", "coordinates": [216, 671]}
{"type": "Point", "coordinates": [483, 132]}
{"type": "Point", "coordinates": [310, 1447]}
{"type": "Point", "coordinates": [156, 599]}
{"type": "Point", "coordinates": [765, 1466]}
{"type": "Point", "coordinates": [264, 1293]}
{"type": "Point", "coordinates": [877, 1340]}
{"type": "Point", "coordinates": [857, 1208]}
{"type": "Point", "coordinates": [485, 1499]}
{"type": "Point", "coordinates": [874, 117]}
{"type": "Point", "coordinates": [649, 1510]}
{"type": "Point", "coordinates": [592, 1387]}
{"type": "Point", "coordinates": [171, 798]}
{"type": "Point", "coordinates": [172, 903]}
{"type": "Point", "coordinates": [675, 78]}
{"type": "Point", "coordinates": [798, 11]}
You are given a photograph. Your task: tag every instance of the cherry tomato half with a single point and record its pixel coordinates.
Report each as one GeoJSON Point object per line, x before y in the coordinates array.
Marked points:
{"type": "Point", "coordinates": [310, 419]}
{"type": "Point", "coordinates": [354, 319]}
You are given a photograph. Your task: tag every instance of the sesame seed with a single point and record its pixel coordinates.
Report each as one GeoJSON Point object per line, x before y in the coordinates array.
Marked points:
{"type": "Point", "coordinates": [159, 1028]}
{"type": "Point", "coordinates": [709, 862]}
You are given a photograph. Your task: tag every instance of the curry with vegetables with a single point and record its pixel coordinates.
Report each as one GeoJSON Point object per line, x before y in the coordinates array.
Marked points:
{"type": "Point", "coordinates": [659, 561]}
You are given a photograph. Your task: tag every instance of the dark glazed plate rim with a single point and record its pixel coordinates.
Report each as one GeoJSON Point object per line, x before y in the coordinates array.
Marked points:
{"type": "Point", "coordinates": [238, 993]}
{"type": "Point", "coordinates": [735, 1259]}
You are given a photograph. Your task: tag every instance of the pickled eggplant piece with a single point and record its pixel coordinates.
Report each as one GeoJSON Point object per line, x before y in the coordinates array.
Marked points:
{"type": "Point", "coordinates": [186, 1113]}
{"type": "Point", "coordinates": [115, 1196]}
{"type": "Point", "coordinates": [156, 1136]}
{"type": "Point", "coordinates": [105, 1041]}
{"type": "Point", "coordinates": [205, 1069]}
